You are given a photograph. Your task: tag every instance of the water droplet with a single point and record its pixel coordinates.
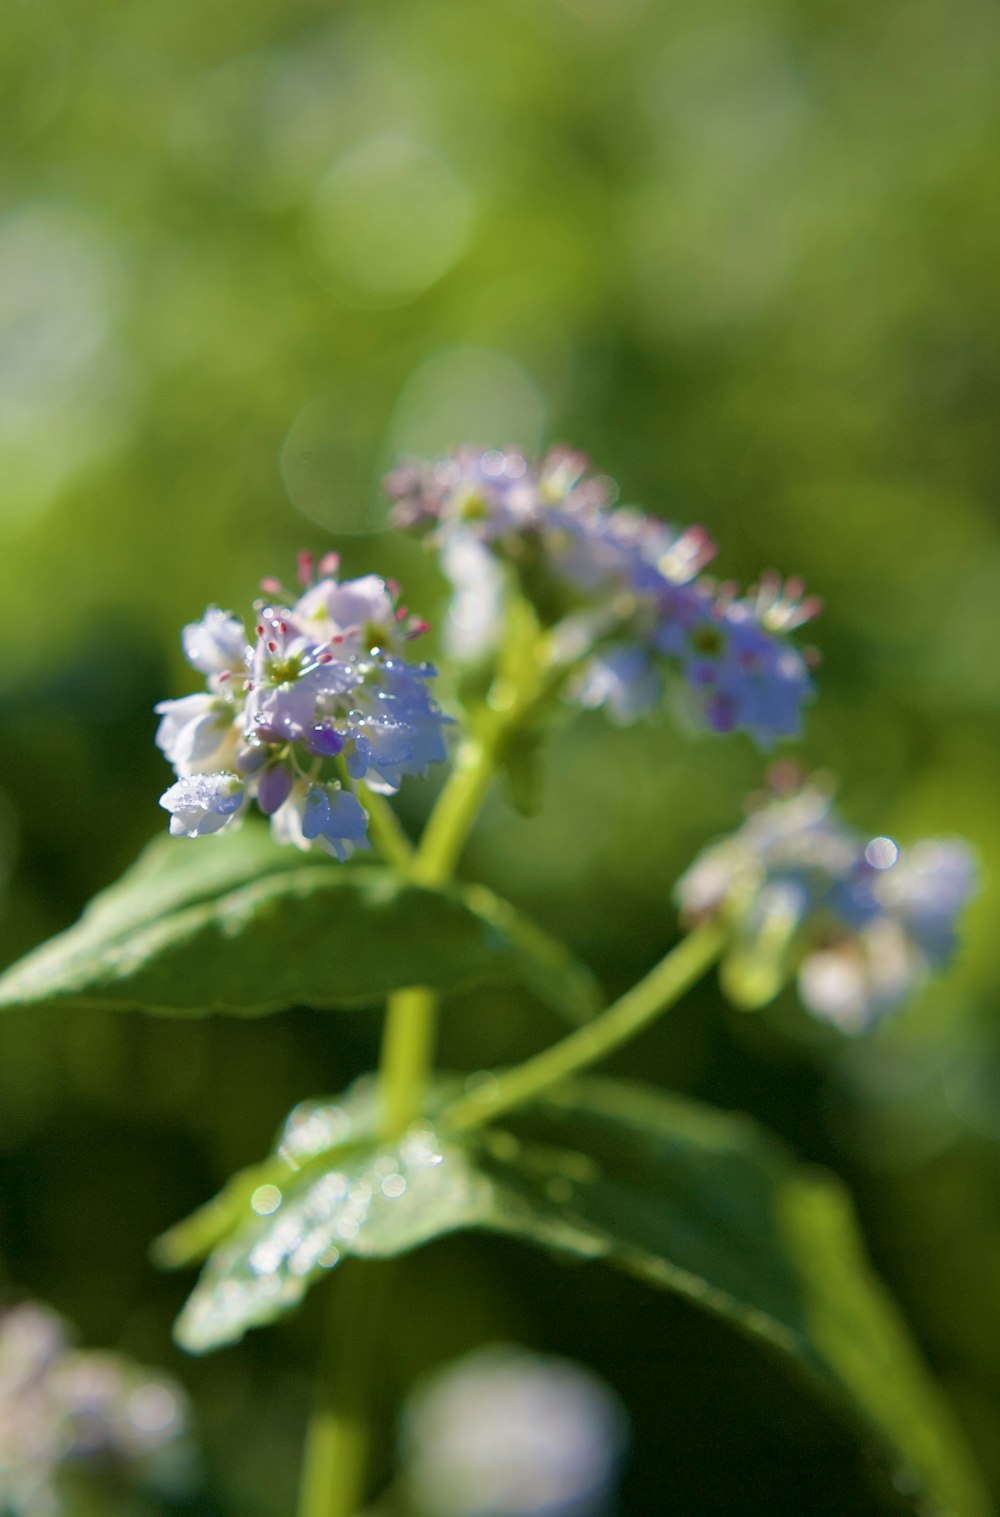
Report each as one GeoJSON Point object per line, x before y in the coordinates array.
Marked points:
{"type": "Point", "coordinates": [265, 1200]}
{"type": "Point", "coordinates": [882, 853]}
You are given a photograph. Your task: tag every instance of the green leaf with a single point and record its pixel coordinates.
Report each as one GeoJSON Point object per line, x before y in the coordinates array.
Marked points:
{"type": "Point", "coordinates": [330, 1190]}
{"type": "Point", "coordinates": [237, 924]}
{"type": "Point", "coordinates": [711, 1207]}
{"type": "Point", "coordinates": [695, 1202]}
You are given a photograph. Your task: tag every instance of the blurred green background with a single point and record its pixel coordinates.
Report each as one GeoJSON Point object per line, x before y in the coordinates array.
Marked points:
{"type": "Point", "coordinates": [745, 255]}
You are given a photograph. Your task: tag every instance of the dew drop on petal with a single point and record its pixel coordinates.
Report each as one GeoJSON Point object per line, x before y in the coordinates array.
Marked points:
{"type": "Point", "coordinates": [881, 853]}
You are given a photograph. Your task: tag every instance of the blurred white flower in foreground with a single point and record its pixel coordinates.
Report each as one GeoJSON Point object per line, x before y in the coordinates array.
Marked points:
{"type": "Point", "coordinates": [509, 1433]}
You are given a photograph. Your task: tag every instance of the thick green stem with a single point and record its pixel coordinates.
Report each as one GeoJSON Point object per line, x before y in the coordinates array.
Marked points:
{"type": "Point", "coordinates": [335, 1471]}
{"type": "Point", "coordinates": [635, 1010]}
{"type": "Point", "coordinates": [335, 1468]}
{"type": "Point", "coordinates": [407, 1052]}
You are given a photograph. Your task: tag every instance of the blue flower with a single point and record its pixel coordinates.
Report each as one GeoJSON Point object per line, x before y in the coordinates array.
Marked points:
{"type": "Point", "coordinates": [321, 696]}
{"type": "Point", "coordinates": [626, 581]}
{"type": "Point", "coordinates": [624, 680]}
{"type": "Point", "coordinates": [326, 815]}
{"type": "Point", "coordinates": [860, 922]}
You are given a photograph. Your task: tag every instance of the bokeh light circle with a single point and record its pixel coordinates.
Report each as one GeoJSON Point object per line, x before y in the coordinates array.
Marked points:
{"type": "Point", "coordinates": [387, 222]}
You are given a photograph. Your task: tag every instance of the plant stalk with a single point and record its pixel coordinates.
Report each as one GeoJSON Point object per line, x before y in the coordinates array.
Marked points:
{"type": "Point", "coordinates": [407, 1054]}
{"type": "Point", "coordinates": [335, 1467]}
{"type": "Point", "coordinates": [636, 1009]}
{"type": "Point", "coordinates": [335, 1471]}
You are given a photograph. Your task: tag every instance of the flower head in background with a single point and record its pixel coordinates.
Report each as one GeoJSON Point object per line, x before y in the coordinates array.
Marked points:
{"type": "Point", "coordinates": [63, 1409]}
{"type": "Point", "coordinates": [319, 695]}
{"type": "Point", "coordinates": [860, 921]}
{"type": "Point", "coordinates": [625, 584]}
{"type": "Point", "coordinates": [508, 1433]}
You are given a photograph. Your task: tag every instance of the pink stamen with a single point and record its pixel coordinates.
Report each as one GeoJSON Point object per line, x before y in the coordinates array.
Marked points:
{"type": "Point", "coordinates": [224, 675]}
{"type": "Point", "coordinates": [325, 658]}
{"type": "Point", "coordinates": [271, 586]}
{"type": "Point", "coordinates": [402, 613]}
{"type": "Point", "coordinates": [329, 563]}
{"type": "Point", "coordinates": [272, 647]}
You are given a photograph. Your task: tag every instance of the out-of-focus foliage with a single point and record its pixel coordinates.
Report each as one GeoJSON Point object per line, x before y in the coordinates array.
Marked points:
{"type": "Point", "coordinates": [745, 254]}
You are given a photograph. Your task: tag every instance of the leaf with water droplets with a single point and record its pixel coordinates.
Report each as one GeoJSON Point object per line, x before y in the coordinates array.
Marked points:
{"type": "Point", "coordinates": [332, 1189]}
{"type": "Point", "coordinates": [693, 1201]}
{"type": "Point", "coordinates": [237, 924]}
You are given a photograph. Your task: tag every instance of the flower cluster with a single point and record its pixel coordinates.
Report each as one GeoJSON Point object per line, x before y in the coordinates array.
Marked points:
{"type": "Point", "coordinates": [319, 697]}
{"type": "Point", "coordinates": [508, 1433]}
{"type": "Point", "coordinates": [859, 920]}
{"type": "Point", "coordinates": [628, 583]}
{"type": "Point", "coordinates": [61, 1408]}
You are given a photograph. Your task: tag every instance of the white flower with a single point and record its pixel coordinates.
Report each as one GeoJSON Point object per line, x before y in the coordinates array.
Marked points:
{"type": "Point", "coordinates": [475, 617]}
{"type": "Point", "coordinates": [197, 732]}
{"type": "Point", "coordinates": [203, 803]}
{"type": "Point", "coordinates": [217, 644]}
{"type": "Point", "coordinates": [507, 1433]}
{"type": "Point", "coordinates": [359, 612]}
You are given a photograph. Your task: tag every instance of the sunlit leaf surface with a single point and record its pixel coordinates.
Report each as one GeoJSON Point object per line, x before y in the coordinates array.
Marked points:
{"type": "Point", "coordinates": [693, 1201]}
{"type": "Point", "coordinates": [239, 925]}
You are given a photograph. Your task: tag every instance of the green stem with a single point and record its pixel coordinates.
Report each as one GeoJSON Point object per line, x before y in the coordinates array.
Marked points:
{"type": "Point", "coordinates": [516, 697]}
{"type": "Point", "coordinates": [407, 1052]}
{"type": "Point", "coordinates": [335, 1468]}
{"type": "Point", "coordinates": [635, 1010]}
{"type": "Point", "coordinates": [458, 805]}
{"type": "Point", "coordinates": [338, 1445]}
{"type": "Point", "coordinates": [384, 826]}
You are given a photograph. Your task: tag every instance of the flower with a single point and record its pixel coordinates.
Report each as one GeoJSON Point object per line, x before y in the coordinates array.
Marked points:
{"type": "Point", "coordinates": [201, 804]}
{"type": "Point", "coordinates": [860, 921]}
{"type": "Point", "coordinates": [63, 1408]}
{"type": "Point", "coordinates": [508, 1433]}
{"type": "Point", "coordinates": [323, 814]}
{"type": "Point", "coordinates": [644, 620]}
{"type": "Point", "coordinates": [318, 698]}
{"type": "Point", "coordinates": [197, 732]}
{"type": "Point", "coordinates": [216, 644]}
